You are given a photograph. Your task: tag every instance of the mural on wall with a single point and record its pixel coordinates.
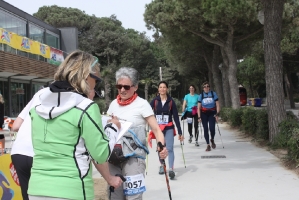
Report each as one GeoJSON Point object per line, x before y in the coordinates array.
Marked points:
{"type": "Point", "coordinates": [9, 182]}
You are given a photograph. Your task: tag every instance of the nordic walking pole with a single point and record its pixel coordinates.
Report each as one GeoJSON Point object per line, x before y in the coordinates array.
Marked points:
{"type": "Point", "coordinates": [200, 131]}
{"type": "Point", "coordinates": [183, 154]}
{"type": "Point", "coordinates": [146, 163]}
{"type": "Point", "coordinates": [219, 134]}
{"type": "Point", "coordinates": [147, 154]}
{"type": "Point", "coordinates": [183, 131]}
{"type": "Point", "coordinates": [164, 167]}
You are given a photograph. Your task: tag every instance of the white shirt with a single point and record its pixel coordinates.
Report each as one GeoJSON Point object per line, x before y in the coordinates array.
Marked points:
{"type": "Point", "coordinates": [135, 112]}
{"type": "Point", "coordinates": [23, 143]}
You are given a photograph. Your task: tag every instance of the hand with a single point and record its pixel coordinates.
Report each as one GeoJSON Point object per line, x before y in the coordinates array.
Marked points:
{"type": "Point", "coordinates": [115, 121]}
{"type": "Point", "coordinates": [216, 117]}
{"type": "Point", "coordinates": [181, 138]}
{"type": "Point", "coordinates": [115, 181]}
{"type": "Point", "coordinates": [164, 153]}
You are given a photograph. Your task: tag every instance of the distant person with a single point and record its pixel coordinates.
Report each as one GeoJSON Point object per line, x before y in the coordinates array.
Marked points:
{"type": "Point", "coordinates": [2, 137]}
{"type": "Point", "coordinates": [189, 110]}
{"type": "Point", "coordinates": [165, 110]}
{"type": "Point", "coordinates": [208, 111]}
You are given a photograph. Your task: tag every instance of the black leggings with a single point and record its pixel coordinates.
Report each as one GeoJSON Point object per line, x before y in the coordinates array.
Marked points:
{"type": "Point", "coordinates": [208, 118]}
{"type": "Point", "coordinates": [23, 165]}
{"type": "Point", "coordinates": [195, 120]}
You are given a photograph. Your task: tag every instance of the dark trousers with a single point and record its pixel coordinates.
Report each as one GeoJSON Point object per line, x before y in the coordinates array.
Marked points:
{"type": "Point", "coordinates": [23, 165]}
{"type": "Point", "coordinates": [208, 122]}
{"type": "Point", "coordinates": [194, 120]}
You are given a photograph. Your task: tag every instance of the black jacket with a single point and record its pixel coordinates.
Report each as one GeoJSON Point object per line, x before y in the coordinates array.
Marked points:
{"type": "Point", "coordinates": [173, 112]}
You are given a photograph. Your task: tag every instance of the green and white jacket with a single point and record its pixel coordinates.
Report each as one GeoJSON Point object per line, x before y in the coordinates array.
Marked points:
{"type": "Point", "coordinates": [67, 133]}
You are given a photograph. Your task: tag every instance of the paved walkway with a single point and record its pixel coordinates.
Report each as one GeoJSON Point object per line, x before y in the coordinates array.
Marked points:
{"type": "Point", "coordinates": [247, 172]}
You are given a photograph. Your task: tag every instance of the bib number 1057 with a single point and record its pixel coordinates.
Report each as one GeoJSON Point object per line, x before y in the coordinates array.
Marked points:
{"type": "Point", "coordinates": [134, 185]}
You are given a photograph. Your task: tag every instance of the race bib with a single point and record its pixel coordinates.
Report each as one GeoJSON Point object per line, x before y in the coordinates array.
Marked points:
{"type": "Point", "coordinates": [162, 119]}
{"type": "Point", "coordinates": [189, 120]}
{"type": "Point", "coordinates": [134, 185]}
{"type": "Point", "coordinates": [207, 101]}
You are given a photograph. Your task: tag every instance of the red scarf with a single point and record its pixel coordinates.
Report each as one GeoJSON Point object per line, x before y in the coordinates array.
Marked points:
{"type": "Point", "coordinates": [126, 102]}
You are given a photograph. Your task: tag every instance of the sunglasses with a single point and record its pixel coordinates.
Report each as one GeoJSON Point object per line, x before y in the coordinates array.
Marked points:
{"type": "Point", "coordinates": [206, 86]}
{"type": "Point", "coordinates": [126, 87]}
{"type": "Point", "coordinates": [98, 80]}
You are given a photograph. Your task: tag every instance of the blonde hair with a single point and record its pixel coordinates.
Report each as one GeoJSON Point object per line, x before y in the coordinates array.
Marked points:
{"type": "Point", "coordinates": [75, 69]}
{"type": "Point", "coordinates": [1, 99]}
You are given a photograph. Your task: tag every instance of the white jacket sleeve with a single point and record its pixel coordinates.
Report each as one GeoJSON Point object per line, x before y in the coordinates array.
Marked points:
{"type": "Point", "coordinates": [111, 130]}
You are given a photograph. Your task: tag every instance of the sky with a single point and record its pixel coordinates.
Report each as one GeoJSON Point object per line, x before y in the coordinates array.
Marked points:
{"type": "Point", "coordinates": [129, 12]}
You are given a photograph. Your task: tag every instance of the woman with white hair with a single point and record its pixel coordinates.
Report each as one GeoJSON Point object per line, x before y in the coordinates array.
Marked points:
{"type": "Point", "coordinates": [132, 150]}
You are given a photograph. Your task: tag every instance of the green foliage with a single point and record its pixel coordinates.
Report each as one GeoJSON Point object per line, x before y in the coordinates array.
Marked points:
{"type": "Point", "coordinates": [293, 145]}
{"type": "Point", "coordinates": [178, 104]}
{"type": "Point", "coordinates": [262, 124]}
{"type": "Point", "coordinates": [286, 128]}
{"type": "Point", "coordinates": [251, 73]}
{"type": "Point", "coordinates": [102, 105]}
{"type": "Point", "coordinates": [225, 113]}
{"type": "Point", "coordinates": [249, 121]}
{"type": "Point", "coordinates": [235, 117]}
{"type": "Point", "coordinates": [64, 17]}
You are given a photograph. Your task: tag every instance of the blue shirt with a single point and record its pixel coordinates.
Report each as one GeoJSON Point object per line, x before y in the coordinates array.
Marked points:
{"type": "Point", "coordinates": [191, 101]}
{"type": "Point", "coordinates": [208, 101]}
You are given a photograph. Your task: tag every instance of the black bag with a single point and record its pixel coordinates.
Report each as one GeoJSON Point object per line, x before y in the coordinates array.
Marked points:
{"type": "Point", "coordinates": [117, 156]}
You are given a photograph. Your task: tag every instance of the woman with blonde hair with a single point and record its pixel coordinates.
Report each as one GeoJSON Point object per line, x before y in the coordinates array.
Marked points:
{"type": "Point", "coordinates": [67, 133]}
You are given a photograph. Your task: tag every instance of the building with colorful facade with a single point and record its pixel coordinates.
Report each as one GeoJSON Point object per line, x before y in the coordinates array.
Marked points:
{"type": "Point", "coordinates": [30, 51]}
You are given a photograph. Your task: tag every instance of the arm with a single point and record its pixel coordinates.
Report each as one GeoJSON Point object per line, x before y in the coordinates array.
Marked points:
{"type": "Point", "coordinates": [217, 107]}
{"type": "Point", "coordinates": [152, 103]}
{"type": "Point", "coordinates": [198, 111]}
{"type": "Point", "coordinates": [96, 141]}
{"type": "Point", "coordinates": [199, 107]}
{"type": "Point", "coordinates": [17, 124]}
{"type": "Point", "coordinates": [218, 110]}
{"type": "Point", "coordinates": [151, 120]}
{"type": "Point", "coordinates": [184, 105]}
{"type": "Point", "coordinates": [105, 172]}
{"type": "Point", "coordinates": [176, 117]}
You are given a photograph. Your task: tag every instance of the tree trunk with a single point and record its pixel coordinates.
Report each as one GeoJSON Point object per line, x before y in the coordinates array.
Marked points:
{"type": "Point", "coordinates": [107, 85]}
{"type": "Point", "coordinates": [210, 77]}
{"type": "Point", "coordinates": [232, 70]}
{"type": "Point", "coordinates": [217, 75]}
{"type": "Point", "coordinates": [251, 89]}
{"type": "Point", "coordinates": [289, 88]}
{"type": "Point", "coordinates": [273, 62]}
{"type": "Point", "coordinates": [146, 91]}
{"type": "Point", "coordinates": [107, 91]}
{"type": "Point", "coordinates": [224, 71]}
{"type": "Point", "coordinates": [210, 71]}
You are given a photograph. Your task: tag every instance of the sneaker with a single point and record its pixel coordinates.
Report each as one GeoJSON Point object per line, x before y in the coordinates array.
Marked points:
{"type": "Point", "coordinates": [161, 171]}
{"type": "Point", "coordinates": [208, 148]}
{"type": "Point", "coordinates": [171, 174]}
{"type": "Point", "coordinates": [196, 144]}
{"type": "Point", "coordinates": [213, 144]}
{"type": "Point", "coordinates": [190, 139]}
